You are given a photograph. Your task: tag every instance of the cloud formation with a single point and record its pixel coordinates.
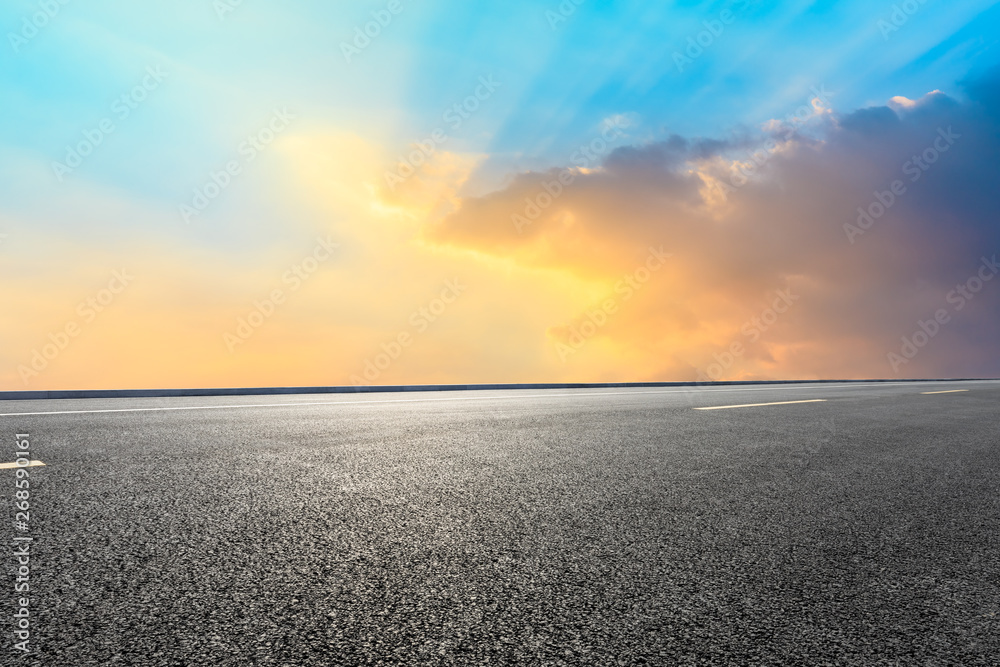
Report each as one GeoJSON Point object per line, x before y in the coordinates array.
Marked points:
{"type": "Point", "coordinates": [880, 224]}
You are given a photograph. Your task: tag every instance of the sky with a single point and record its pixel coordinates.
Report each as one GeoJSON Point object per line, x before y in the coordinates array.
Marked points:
{"type": "Point", "coordinates": [224, 193]}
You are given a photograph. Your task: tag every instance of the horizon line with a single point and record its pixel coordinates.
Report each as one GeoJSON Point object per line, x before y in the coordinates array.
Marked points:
{"type": "Point", "coordinates": [55, 394]}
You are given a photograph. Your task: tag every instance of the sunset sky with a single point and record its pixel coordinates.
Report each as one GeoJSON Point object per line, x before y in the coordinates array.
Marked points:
{"type": "Point", "coordinates": [206, 193]}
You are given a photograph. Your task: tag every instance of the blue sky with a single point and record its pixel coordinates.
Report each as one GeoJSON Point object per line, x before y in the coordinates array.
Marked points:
{"type": "Point", "coordinates": [559, 80]}
{"type": "Point", "coordinates": [562, 72]}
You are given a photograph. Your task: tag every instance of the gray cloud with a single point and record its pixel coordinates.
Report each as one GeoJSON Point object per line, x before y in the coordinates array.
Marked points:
{"type": "Point", "coordinates": [790, 224]}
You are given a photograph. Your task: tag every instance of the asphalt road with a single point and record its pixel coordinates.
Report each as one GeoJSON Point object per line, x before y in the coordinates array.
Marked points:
{"type": "Point", "coordinates": [557, 527]}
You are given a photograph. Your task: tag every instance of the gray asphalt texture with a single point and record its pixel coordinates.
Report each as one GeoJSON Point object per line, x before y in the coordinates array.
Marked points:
{"type": "Point", "coordinates": [560, 527]}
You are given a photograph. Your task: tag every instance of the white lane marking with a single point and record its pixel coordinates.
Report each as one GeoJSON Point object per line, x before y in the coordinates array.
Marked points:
{"type": "Point", "coordinates": [31, 464]}
{"type": "Point", "coordinates": [688, 390]}
{"type": "Point", "coordinates": [947, 391]}
{"type": "Point", "coordinates": [754, 405]}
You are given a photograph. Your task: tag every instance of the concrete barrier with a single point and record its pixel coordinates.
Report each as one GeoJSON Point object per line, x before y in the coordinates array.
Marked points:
{"type": "Point", "coordinates": [266, 391]}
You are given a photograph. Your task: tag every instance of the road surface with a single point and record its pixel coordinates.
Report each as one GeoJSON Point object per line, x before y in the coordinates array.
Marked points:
{"type": "Point", "coordinates": [817, 524]}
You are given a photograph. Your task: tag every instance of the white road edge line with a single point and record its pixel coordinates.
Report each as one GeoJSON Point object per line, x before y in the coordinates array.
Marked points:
{"type": "Point", "coordinates": [754, 405]}
{"type": "Point", "coordinates": [693, 388]}
{"type": "Point", "coordinates": [31, 464]}
{"type": "Point", "coordinates": [947, 391]}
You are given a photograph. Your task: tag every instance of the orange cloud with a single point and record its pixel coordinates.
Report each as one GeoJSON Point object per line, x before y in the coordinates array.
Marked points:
{"type": "Point", "coordinates": [783, 228]}
{"type": "Point", "coordinates": [657, 264]}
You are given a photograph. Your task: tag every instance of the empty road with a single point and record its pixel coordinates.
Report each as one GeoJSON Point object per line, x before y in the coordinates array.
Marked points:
{"type": "Point", "coordinates": [814, 524]}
